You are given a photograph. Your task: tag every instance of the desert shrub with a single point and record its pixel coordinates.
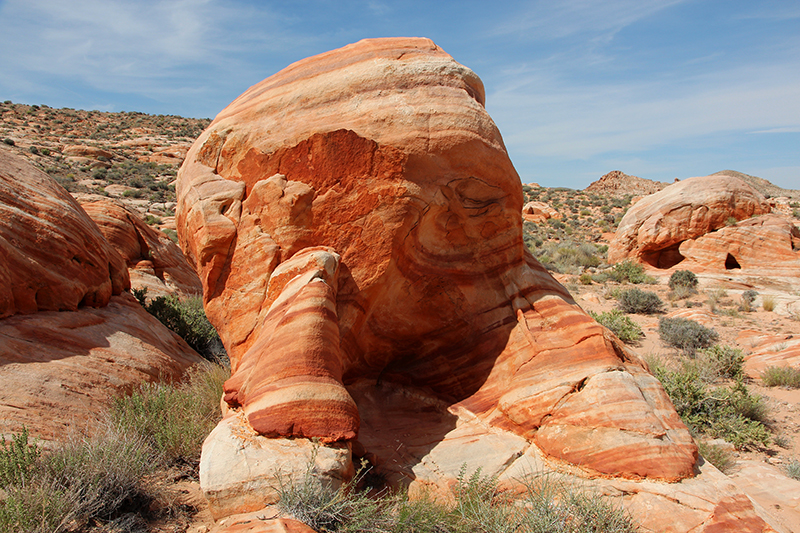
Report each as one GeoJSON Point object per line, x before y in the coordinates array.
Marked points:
{"type": "Point", "coordinates": [730, 413]}
{"type": "Point", "coordinates": [747, 299]}
{"type": "Point", "coordinates": [565, 257]}
{"type": "Point", "coordinates": [623, 327]}
{"type": "Point", "coordinates": [722, 361]}
{"type": "Point", "coordinates": [683, 278]}
{"type": "Point", "coordinates": [44, 151]}
{"type": "Point", "coordinates": [34, 150]}
{"type": "Point", "coordinates": [17, 459]}
{"type": "Point", "coordinates": [686, 335]}
{"type": "Point", "coordinates": [640, 302]}
{"type": "Point", "coordinates": [717, 455]}
{"type": "Point", "coordinates": [768, 302]}
{"type": "Point", "coordinates": [792, 469]}
{"type": "Point", "coordinates": [188, 319]}
{"type": "Point", "coordinates": [173, 419]}
{"type": "Point", "coordinates": [548, 504]}
{"type": "Point", "coordinates": [585, 279]}
{"type": "Point", "coordinates": [9, 142]}
{"type": "Point", "coordinates": [781, 376]}
{"type": "Point", "coordinates": [628, 271]}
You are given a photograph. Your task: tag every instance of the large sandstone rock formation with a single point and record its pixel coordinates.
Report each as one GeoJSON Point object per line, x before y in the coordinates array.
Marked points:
{"type": "Point", "coordinates": [356, 223]}
{"type": "Point", "coordinates": [716, 225]}
{"type": "Point", "coordinates": [653, 229]}
{"type": "Point", "coordinates": [75, 338]}
{"type": "Point", "coordinates": [154, 262]}
{"type": "Point", "coordinates": [617, 183]}
{"type": "Point", "coordinates": [53, 256]}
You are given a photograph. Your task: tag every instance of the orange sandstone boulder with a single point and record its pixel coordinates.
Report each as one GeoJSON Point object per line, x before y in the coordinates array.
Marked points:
{"type": "Point", "coordinates": [653, 229]}
{"type": "Point", "coordinates": [539, 212]}
{"type": "Point", "coordinates": [356, 224]}
{"type": "Point", "coordinates": [70, 337]}
{"type": "Point", "coordinates": [154, 262]}
{"type": "Point", "coordinates": [53, 256]}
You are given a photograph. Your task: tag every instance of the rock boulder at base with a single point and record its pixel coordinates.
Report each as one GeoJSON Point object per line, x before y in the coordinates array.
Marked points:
{"type": "Point", "coordinates": [154, 261]}
{"type": "Point", "coordinates": [538, 212]}
{"type": "Point", "coordinates": [356, 224]}
{"type": "Point", "coordinates": [654, 228]}
{"type": "Point", "coordinates": [71, 338]}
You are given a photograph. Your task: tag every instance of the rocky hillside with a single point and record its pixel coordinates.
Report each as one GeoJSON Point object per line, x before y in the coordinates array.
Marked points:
{"type": "Point", "coordinates": [128, 155]}
{"type": "Point", "coordinates": [617, 183]}
{"type": "Point", "coordinates": [761, 185]}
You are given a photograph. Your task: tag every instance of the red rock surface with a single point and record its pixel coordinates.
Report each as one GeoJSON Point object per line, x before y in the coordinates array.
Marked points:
{"type": "Point", "coordinates": [763, 350]}
{"type": "Point", "coordinates": [154, 261]}
{"type": "Point", "coordinates": [356, 223]}
{"type": "Point", "coordinates": [653, 230]}
{"type": "Point", "coordinates": [53, 256]}
{"type": "Point", "coordinates": [58, 370]}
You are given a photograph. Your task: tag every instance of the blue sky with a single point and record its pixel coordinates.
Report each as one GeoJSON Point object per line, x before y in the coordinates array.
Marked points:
{"type": "Point", "coordinates": [658, 89]}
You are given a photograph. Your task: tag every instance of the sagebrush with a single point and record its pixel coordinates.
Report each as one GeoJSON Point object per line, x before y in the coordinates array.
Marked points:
{"type": "Point", "coordinates": [686, 335]}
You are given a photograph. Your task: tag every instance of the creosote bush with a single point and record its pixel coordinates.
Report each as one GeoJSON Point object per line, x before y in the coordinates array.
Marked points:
{"type": "Point", "coordinates": [630, 272]}
{"type": "Point", "coordinates": [683, 278]}
{"type": "Point", "coordinates": [549, 504]}
{"type": "Point", "coordinates": [686, 335]}
{"type": "Point", "coordinates": [621, 325]}
{"type": "Point", "coordinates": [731, 413]}
{"type": "Point", "coordinates": [640, 302]}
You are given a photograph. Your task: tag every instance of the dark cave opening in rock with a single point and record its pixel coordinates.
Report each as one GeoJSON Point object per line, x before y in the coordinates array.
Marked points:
{"type": "Point", "coordinates": [664, 258]}
{"type": "Point", "coordinates": [731, 263]}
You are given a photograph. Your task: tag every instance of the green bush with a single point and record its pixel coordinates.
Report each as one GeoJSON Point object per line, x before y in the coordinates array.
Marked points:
{"type": "Point", "coordinates": [17, 459]}
{"type": "Point", "coordinates": [730, 413]}
{"type": "Point", "coordinates": [548, 504]}
{"type": "Point", "coordinates": [686, 335]}
{"type": "Point", "coordinates": [640, 302]}
{"type": "Point", "coordinates": [9, 142]}
{"type": "Point", "coordinates": [631, 272]}
{"type": "Point", "coordinates": [722, 361]}
{"type": "Point", "coordinates": [781, 376]}
{"type": "Point", "coordinates": [792, 469]}
{"type": "Point", "coordinates": [188, 319]}
{"type": "Point", "coordinates": [623, 327]}
{"type": "Point", "coordinates": [717, 456]}
{"type": "Point", "coordinates": [683, 278]}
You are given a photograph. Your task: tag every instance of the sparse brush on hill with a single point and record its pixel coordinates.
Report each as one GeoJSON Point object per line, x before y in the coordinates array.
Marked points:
{"type": "Point", "coordinates": [568, 257]}
{"type": "Point", "coordinates": [101, 483]}
{"type": "Point", "coordinates": [548, 504]}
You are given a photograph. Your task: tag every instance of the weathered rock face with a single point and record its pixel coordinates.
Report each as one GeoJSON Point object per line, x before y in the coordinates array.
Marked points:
{"type": "Point", "coordinates": [653, 230]}
{"type": "Point", "coordinates": [763, 246]}
{"type": "Point", "coordinates": [59, 369]}
{"type": "Point", "coordinates": [356, 223]}
{"type": "Point", "coordinates": [154, 262]}
{"type": "Point", "coordinates": [53, 256]}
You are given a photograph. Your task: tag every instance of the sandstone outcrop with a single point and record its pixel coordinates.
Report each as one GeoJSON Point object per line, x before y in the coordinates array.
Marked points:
{"type": "Point", "coordinates": [70, 336]}
{"type": "Point", "coordinates": [763, 350]}
{"type": "Point", "coordinates": [154, 262]}
{"type": "Point", "coordinates": [539, 212]}
{"type": "Point", "coordinates": [654, 229]}
{"type": "Point", "coordinates": [53, 257]}
{"type": "Point", "coordinates": [356, 224]}
{"type": "Point", "coordinates": [617, 183]}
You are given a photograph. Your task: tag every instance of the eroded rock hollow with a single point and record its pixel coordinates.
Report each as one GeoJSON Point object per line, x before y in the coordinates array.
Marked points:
{"type": "Point", "coordinates": [356, 223]}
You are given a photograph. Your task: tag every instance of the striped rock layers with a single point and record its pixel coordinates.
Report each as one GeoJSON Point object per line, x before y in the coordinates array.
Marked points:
{"type": "Point", "coordinates": [356, 217]}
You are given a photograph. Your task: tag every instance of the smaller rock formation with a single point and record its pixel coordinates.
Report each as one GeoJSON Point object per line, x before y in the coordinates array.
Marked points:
{"type": "Point", "coordinates": [70, 336]}
{"type": "Point", "coordinates": [763, 350]}
{"type": "Point", "coordinates": [54, 257]}
{"type": "Point", "coordinates": [539, 212]}
{"type": "Point", "coordinates": [154, 261]}
{"type": "Point", "coordinates": [617, 183]}
{"type": "Point", "coordinates": [653, 230]}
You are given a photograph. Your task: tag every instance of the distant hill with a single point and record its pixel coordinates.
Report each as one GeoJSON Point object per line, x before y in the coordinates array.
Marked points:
{"type": "Point", "coordinates": [617, 183]}
{"type": "Point", "coordinates": [761, 185]}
